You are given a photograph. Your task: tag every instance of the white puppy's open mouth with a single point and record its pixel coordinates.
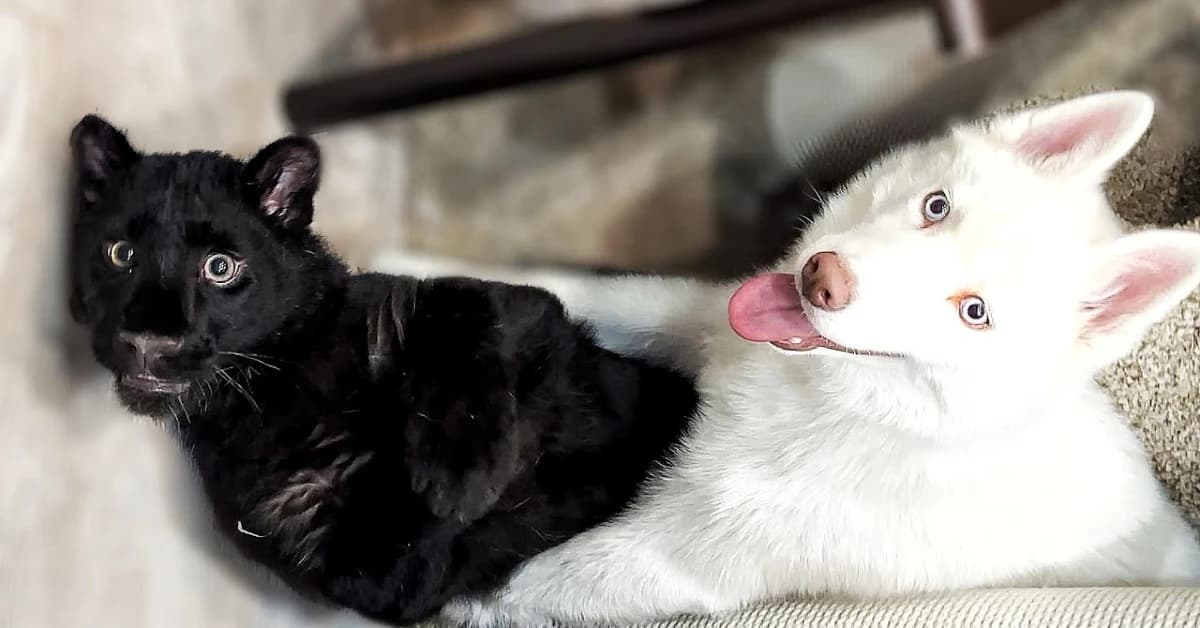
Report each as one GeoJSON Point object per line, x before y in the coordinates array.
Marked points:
{"type": "Point", "coordinates": [769, 308]}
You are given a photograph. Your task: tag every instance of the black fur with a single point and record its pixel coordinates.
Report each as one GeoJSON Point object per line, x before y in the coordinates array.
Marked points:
{"type": "Point", "coordinates": [382, 443]}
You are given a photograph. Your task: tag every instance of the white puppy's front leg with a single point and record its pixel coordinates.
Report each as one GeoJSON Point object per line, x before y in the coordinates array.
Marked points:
{"type": "Point", "coordinates": [603, 577]}
{"type": "Point", "coordinates": [1165, 552]}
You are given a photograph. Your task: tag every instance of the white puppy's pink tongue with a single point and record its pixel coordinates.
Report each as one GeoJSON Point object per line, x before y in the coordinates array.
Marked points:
{"type": "Point", "coordinates": [766, 308]}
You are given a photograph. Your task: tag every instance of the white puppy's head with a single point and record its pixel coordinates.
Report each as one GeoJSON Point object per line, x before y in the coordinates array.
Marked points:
{"type": "Point", "coordinates": [990, 247]}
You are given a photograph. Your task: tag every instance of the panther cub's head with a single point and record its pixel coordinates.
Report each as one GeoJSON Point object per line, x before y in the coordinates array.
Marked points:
{"type": "Point", "coordinates": [188, 267]}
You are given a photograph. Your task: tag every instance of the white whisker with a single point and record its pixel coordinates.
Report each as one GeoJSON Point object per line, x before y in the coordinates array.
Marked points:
{"type": "Point", "coordinates": [240, 389]}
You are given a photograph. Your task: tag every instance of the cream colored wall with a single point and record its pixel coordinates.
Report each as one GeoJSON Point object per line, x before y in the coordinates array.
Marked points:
{"type": "Point", "coordinates": [97, 526]}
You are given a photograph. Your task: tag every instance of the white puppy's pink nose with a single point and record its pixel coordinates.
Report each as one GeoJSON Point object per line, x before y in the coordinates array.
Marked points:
{"type": "Point", "coordinates": [826, 283]}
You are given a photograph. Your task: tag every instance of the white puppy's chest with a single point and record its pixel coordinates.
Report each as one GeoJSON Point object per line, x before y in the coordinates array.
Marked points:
{"type": "Point", "coordinates": [847, 505]}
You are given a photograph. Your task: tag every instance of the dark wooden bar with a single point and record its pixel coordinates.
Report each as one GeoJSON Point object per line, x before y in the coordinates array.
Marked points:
{"type": "Point", "coordinates": [961, 26]}
{"type": "Point", "coordinates": [547, 53]}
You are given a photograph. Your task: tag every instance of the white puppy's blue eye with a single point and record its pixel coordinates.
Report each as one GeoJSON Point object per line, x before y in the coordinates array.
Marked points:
{"type": "Point", "coordinates": [935, 207]}
{"type": "Point", "coordinates": [973, 311]}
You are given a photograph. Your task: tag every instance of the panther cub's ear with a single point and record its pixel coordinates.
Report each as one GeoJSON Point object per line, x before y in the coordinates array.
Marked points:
{"type": "Point", "coordinates": [282, 179]}
{"type": "Point", "coordinates": [101, 154]}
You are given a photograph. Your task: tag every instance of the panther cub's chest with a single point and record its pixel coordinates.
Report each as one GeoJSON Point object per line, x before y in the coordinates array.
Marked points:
{"type": "Point", "coordinates": [294, 512]}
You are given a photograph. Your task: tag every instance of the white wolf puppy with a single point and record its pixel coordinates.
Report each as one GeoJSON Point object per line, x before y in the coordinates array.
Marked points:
{"type": "Point", "coordinates": [915, 409]}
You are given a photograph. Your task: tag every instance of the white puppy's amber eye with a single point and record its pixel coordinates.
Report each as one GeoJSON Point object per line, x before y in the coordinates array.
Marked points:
{"type": "Point", "coordinates": [935, 207]}
{"type": "Point", "coordinates": [973, 311]}
{"type": "Point", "coordinates": [221, 269]}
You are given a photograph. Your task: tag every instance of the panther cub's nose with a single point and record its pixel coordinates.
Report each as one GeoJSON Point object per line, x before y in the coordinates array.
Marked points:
{"type": "Point", "coordinates": [826, 283]}
{"type": "Point", "coordinates": [150, 349]}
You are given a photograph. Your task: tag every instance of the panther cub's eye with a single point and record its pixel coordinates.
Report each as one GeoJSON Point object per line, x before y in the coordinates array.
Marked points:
{"type": "Point", "coordinates": [935, 207]}
{"type": "Point", "coordinates": [973, 311]}
{"type": "Point", "coordinates": [221, 269]}
{"type": "Point", "coordinates": [120, 254]}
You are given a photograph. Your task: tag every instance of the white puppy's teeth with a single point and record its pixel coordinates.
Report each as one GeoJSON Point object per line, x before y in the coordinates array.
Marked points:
{"type": "Point", "coordinates": [797, 340]}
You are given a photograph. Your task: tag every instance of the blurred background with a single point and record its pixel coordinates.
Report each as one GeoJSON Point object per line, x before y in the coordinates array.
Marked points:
{"type": "Point", "coordinates": [674, 136]}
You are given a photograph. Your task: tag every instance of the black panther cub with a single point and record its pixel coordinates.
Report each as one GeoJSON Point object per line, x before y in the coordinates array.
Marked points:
{"type": "Point", "coordinates": [379, 442]}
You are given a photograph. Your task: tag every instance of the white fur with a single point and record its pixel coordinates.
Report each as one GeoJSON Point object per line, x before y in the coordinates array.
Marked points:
{"type": "Point", "coordinates": [981, 458]}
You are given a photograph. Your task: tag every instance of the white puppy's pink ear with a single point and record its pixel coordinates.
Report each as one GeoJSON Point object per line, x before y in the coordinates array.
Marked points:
{"type": "Point", "coordinates": [1134, 282]}
{"type": "Point", "coordinates": [1083, 137]}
